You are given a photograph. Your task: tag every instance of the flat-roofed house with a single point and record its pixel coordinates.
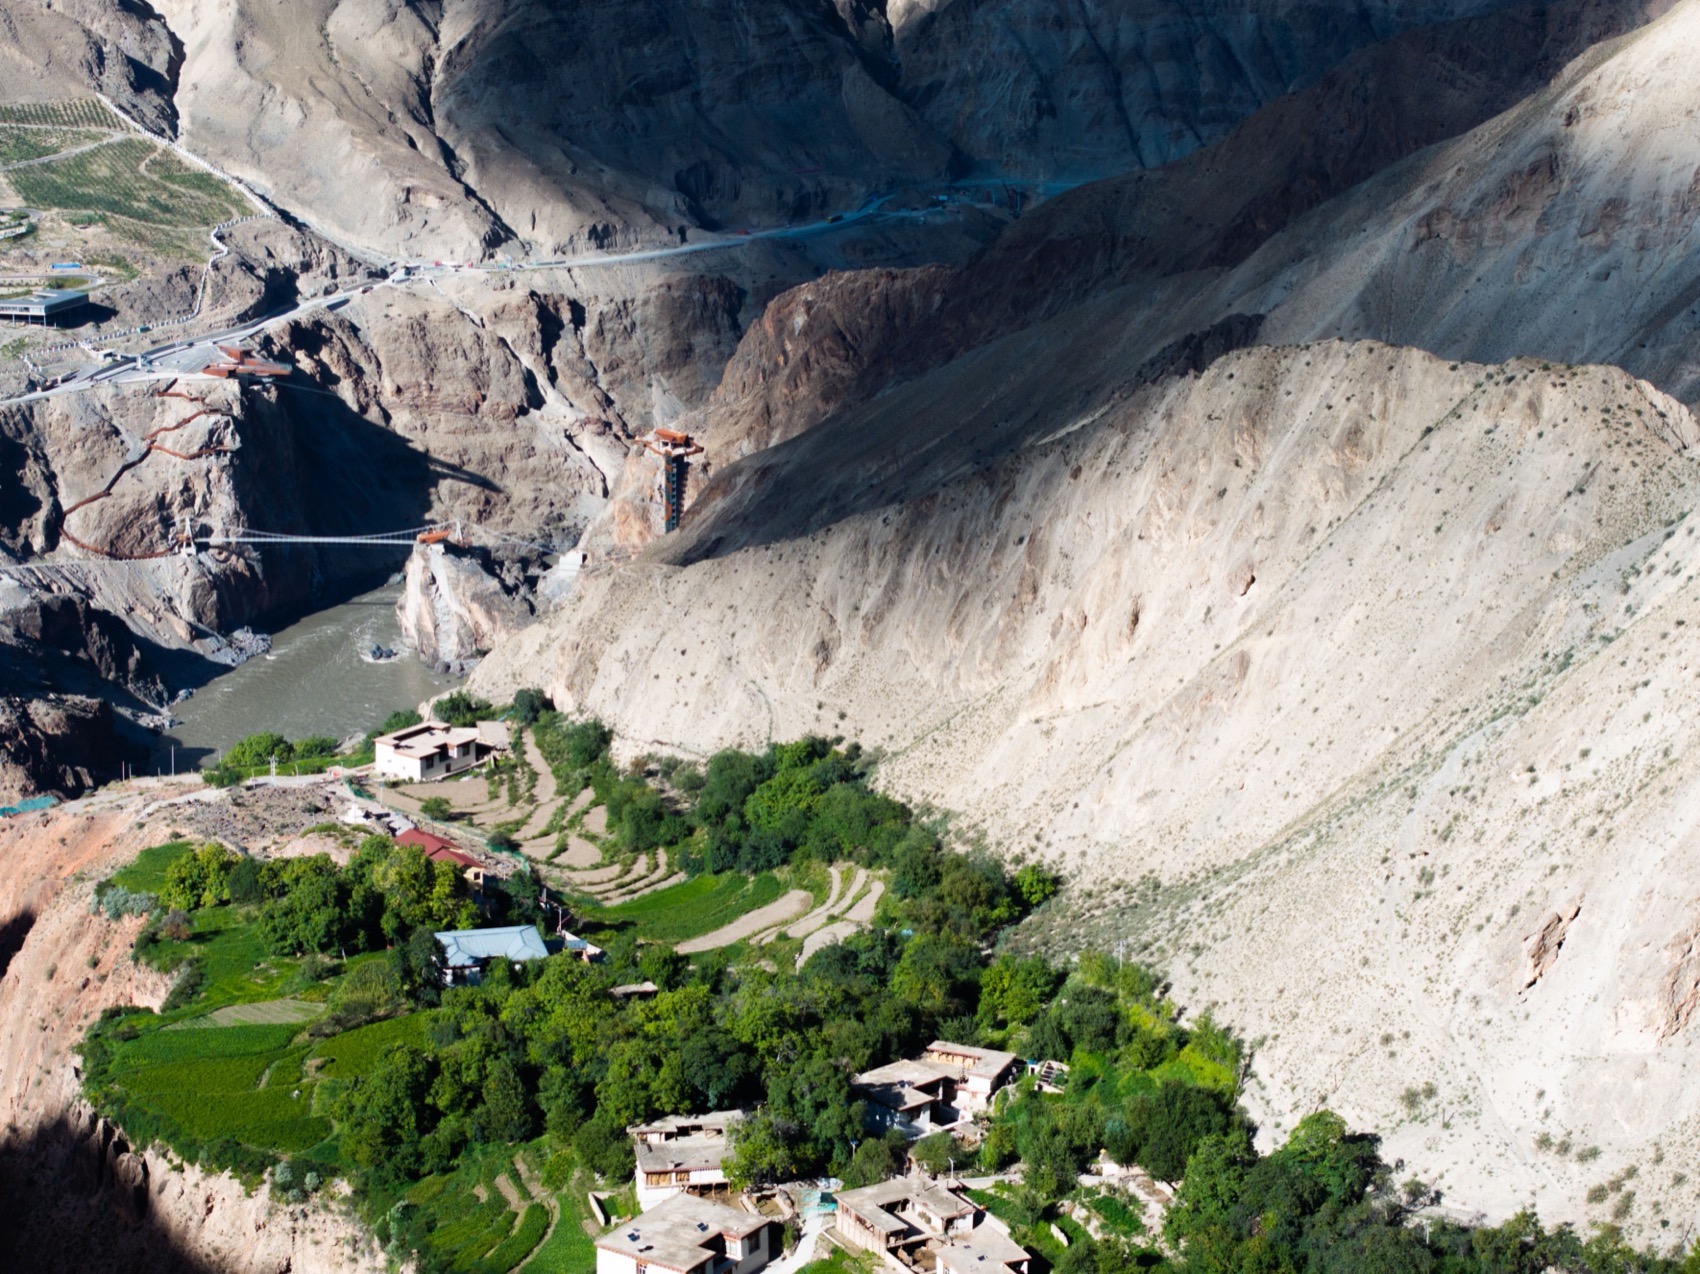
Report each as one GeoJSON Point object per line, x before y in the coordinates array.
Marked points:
{"type": "Point", "coordinates": [429, 750]}
{"type": "Point", "coordinates": [681, 1154]}
{"type": "Point", "coordinates": [946, 1083]}
{"type": "Point", "coordinates": [909, 1096]}
{"type": "Point", "coordinates": [44, 305]}
{"type": "Point", "coordinates": [922, 1224]}
{"type": "Point", "coordinates": [976, 1073]}
{"type": "Point", "coordinates": [468, 952]}
{"type": "Point", "coordinates": [689, 1235]}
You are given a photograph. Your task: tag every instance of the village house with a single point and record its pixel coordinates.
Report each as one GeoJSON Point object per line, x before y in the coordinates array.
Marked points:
{"type": "Point", "coordinates": [429, 750]}
{"type": "Point", "coordinates": [947, 1083]}
{"type": "Point", "coordinates": [918, 1224]}
{"type": "Point", "coordinates": [468, 952]}
{"type": "Point", "coordinates": [689, 1235]}
{"type": "Point", "coordinates": [681, 1154]}
{"type": "Point", "coordinates": [438, 850]}
{"type": "Point", "coordinates": [583, 948]}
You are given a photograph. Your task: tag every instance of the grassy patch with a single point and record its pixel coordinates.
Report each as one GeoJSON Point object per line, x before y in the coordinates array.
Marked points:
{"type": "Point", "coordinates": [19, 144]}
{"type": "Point", "coordinates": [286, 1012]}
{"type": "Point", "coordinates": [1117, 1217]}
{"type": "Point", "coordinates": [147, 874]}
{"type": "Point", "coordinates": [841, 1261]}
{"type": "Point", "coordinates": [480, 1237]}
{"type": "Point", "coordinates": [692, 907]}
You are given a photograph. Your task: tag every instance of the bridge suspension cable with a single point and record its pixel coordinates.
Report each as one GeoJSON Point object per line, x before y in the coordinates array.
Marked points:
{"type": "Point", "coordinates": [404, 537]}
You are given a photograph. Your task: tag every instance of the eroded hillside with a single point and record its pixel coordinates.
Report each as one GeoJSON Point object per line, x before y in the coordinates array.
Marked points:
{"type": "Point", "coordinates": [1221, 647]}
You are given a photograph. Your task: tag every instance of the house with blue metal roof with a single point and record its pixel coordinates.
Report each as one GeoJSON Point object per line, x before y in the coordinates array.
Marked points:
{"type": "Point", "coordinates": [468, 952]}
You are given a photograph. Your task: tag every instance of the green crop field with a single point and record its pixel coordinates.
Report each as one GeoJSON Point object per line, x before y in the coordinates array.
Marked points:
{"type": "Point", "coordinates": [147, 874]}
{"type": "Point", "coordinates": [222, 1082]}
{"type": "Point", "coordinates": [568, 1249]}
{"type": "Point", "coordinates": [137, 188]}
{"type": "Point", "coordinates": [80, 113]}
{"type": "Point", "coordinates": [691, 908]}
{"type": "Point", "coordinates": [259, 1013]}
{"type": "Point", "coordinates": [19, 144]}
{"type": "Point", "coordinates": [355, 1052]}
{"type": "Point", "coordinates": [486, 1237]}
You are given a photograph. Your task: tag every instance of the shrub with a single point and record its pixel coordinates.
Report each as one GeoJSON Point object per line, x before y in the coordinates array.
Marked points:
{"type": "Point", "coordinates": [259, 749]}
{"type": "Point", "coordinates": [399, 720]}
{"type": "Point", "coordinates": [437, 807]}
{"type": "Point", "coordinates": [530, 704]}
{"type": "Point", "coordinates": [459, 708]}
{"type": "Point", "coordinates": [186, 988]}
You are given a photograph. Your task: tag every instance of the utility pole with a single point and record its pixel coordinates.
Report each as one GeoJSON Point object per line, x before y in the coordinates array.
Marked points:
{"type": "Point", "coordinates": [274, 765]}
{"type": "Point", "coordinates": [173, 760]}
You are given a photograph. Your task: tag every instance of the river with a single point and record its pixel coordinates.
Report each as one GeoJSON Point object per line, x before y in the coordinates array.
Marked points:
{"type": "Point", "coordinates": [315, 681]}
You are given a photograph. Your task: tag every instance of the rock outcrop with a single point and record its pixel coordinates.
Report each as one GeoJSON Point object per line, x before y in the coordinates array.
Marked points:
{"type": "Point", "coordinates": [453, 609]}
{"type": "Point", "coordinates": [63, 744]}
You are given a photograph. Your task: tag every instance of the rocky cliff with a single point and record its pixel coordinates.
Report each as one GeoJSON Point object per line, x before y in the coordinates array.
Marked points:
{"type": "Point", "coordinates": [454, 606]}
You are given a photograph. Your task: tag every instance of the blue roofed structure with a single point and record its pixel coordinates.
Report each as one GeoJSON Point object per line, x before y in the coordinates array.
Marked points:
{"type": "Point", "coordinates": [467, 952]}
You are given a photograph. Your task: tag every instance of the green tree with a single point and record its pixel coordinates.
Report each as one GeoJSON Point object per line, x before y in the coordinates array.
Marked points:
{"type": "Point", "coordinates": [877, 1159]}
{"type": "Point", "coordinates": [508, 1113]}
{"type": "Point", "coordinates": [1014, 991]}
{"type": "Point", "coordinates": [437, 807]}
{"type": "Point", "coordinates": [385, 1116]}
{"type": "Point", "coordinates": [1035, 884]}
{"type": "Point", "coordinates": [459, 708]}
{"type": "Point", "coordinates": [529, 704]}
{"type": "Point", "coordinates": [200, 878]}
{"type": "Point", "coordinates": [763, 1152]}
{"type": "Point", "coordinates": [400, 719]}
{"type": "Point", "coordinates": [258, 749]}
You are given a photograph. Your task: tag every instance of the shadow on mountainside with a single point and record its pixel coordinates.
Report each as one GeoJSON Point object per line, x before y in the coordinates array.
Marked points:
{"type": "Point", "coordinates": [76, 1199]}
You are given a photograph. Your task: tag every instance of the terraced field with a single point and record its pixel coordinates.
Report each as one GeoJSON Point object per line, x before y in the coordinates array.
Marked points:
{"type": "Point", "coordinates": [137, 188]}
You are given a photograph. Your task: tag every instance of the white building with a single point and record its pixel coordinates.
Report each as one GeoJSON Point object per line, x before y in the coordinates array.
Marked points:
{"type": "Point", "coordinates": [429, 750]}
{"type": "Point", "coordinates": [688, 1235]}
{"type": "Point", "coordinates": [681, 1154]}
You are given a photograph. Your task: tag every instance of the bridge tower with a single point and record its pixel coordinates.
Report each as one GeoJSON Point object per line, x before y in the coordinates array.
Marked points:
{"type": "Point", "coordinates": [675, 450]}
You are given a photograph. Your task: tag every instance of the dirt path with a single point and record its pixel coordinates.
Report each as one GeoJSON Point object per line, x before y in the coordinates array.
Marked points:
{"type": "Point", "coordinates": [749, 925]}
{"type": "Point", "coordinates": [546, 793]}
{"type": "Point", "coordinates": [510, 1192]}
{"type": "Point", "coordinates": [583, 878]}
{"type": "Point", "coordinates": [640, 878]}
{"type": "Point", "coordinates": [665, 882]}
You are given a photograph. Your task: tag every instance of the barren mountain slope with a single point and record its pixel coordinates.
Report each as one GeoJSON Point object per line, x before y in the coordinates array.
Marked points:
{"type": "Point", "coordinates": [453, 128]}
{"type": "Point", "coordinates": [1179, 637]}
{"type": "Point", "coordinates": [1562, 228]}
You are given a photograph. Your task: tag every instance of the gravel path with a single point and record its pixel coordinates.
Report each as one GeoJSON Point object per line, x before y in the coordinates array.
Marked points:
{"type": "Point", "coordinates": [747, 926]}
